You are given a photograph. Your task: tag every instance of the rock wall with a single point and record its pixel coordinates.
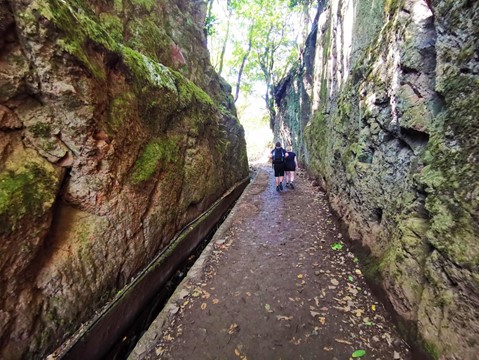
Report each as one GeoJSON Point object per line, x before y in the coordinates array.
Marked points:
{"type": "Point", "coordinates": [392, 132]}
{"type": "Point", "coordinates": [115, 132]}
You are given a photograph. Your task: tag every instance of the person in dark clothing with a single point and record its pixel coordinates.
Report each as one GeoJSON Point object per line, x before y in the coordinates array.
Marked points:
{"type": "Point", "coordinates": [290, 165]}
{"type": "Point", "coordinates": [278, 156]}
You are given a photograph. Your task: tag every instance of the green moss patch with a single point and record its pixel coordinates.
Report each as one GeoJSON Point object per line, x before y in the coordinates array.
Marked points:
{"type": "Point", "coordinates": [147, 4]}
{"type": "Point", "coordinates": [40, 130]}
{"type": "Point", "coordinates": [156, 151]}
{"type": "Point", "coordinates": [113, 25]}
{"type": "Point", "coordinates": [28, 191]}
{"type": "Point", "coordinates": [145, 36]}
{"type": "Point", "coordinates": [120, 109]}
{"type": "Point", "coordinates": [188, 92]}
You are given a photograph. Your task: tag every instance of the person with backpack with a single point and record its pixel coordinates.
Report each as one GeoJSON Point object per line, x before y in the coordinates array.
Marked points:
{"type": "Point", "coordinates": [278, 156]}
{"type": "Point", "coordinates": [290, 165]}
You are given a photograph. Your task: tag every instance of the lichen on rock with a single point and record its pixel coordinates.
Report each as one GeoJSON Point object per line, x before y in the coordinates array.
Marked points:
{"type": "Point", "coordinates": [392, 135]}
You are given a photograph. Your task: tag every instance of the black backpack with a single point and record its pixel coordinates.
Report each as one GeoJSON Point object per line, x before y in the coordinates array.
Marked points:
{"type": "Point", "coordinates": [278, 156]}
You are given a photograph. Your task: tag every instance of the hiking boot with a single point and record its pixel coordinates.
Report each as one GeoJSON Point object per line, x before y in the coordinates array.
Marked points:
{"type": "Point", "coordinates": [291, 185]}
{"type": "Point", "coordinates": [277, 188]}
{"type": "Point", "coordinates": [281, 186]}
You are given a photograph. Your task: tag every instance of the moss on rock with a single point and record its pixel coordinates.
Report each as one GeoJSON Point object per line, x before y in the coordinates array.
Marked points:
{"type": "Point", "coordinates": [155, 152]}
{"type": "Point", "coordinates": [113, 25]}
{"type": "Point", "coordinates": [27, 189]}
{"type": "Point", "coordinates": [120, 109]}
{"type": "Point", "coordinates": [147, 4]}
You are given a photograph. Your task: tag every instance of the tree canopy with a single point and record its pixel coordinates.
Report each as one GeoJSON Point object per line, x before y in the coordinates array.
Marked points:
{"type": "Point", "coordinates": [253, 43]}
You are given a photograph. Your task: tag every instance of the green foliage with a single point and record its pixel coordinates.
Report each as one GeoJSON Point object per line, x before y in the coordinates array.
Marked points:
{"type": "Point", "coordinates": [209, 25]}
{"type": "Point", "coordinates": [263, 44]}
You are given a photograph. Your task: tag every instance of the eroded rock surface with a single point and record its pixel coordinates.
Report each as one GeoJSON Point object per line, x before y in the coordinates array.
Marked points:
{"type": "Point", "coordinates": [115, 132]}
{"type": "Point", "coordinates": [383, 108]}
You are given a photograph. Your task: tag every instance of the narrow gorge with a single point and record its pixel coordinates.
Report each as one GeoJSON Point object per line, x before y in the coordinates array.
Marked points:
{"type": "Point", "coordinates": [116, 132]}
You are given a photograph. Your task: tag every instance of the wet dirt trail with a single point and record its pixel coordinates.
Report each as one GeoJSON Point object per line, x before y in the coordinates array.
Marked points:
{"type": "Point", "coordinates": [276, 282]}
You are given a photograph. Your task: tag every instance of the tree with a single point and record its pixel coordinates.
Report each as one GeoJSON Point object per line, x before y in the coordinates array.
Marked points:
{"type": "Point", "coordinates": [263, 36]}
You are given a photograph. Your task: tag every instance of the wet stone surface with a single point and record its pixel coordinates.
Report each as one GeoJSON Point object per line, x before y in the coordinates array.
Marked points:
{"type": "Point", "coordinates": [276, 282]}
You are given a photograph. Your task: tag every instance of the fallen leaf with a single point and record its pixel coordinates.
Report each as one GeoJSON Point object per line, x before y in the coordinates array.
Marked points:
{"type": "Point", "coordinates": [248, 293]}
{"type": "Point", "coordinates": [322, 320]}
{"type": "Point", "coordinates": [357, 271]}
{"type": "Point", "coordinates": [336, 246]}
{"type": "Point", "coordinates": [300, 276]}
{"type": "Point", "coordinates": [334, 282]}
{"type": "Point", "coordinates": [237, 352]}
{"type": "Point", "coordinates": [373, 307]}
{"type": "Point", "coordinates": [388, 338]}
{"type": "Point", "coordinates": [233, 328]}
{"type": "Point", "coordinates": [358, 353]}
{"type": "Point", "coordinates": [215, 301]}
{"type": "Point", "coordinates": [295, 341]}
{"type": "Point", "coordinates": [341, 341]}
{"type": "Point", "coordinates": [350, 278]}
{"type": "Point", "coordinates": [203, 306]}
{"type": "Point", "coordinates": [268, 308]}
{"type": "Point", "coordinates": [359, 312]}
{"type": "Point", "coordinates": [327, 348]}
{"type": "Point", "coordinates": [283, 317]}
{"type": "Point", "coordinates": [367, 321]}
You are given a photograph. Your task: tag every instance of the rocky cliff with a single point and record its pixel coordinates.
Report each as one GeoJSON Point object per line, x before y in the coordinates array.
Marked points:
{"type": "Point", "coordinates": [115, 132]}
{"type": "Point", "coordinates": [383, 109]}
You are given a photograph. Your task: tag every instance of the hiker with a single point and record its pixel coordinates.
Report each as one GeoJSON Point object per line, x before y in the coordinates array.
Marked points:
{"type": "Point", "coordinates": [278, 155]}
{"type": "Point", "coordinates": [290, 165]}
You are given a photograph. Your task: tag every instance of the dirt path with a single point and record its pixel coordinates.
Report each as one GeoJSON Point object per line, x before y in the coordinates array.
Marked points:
{"type": "Point", "coordinates": [276, 282]}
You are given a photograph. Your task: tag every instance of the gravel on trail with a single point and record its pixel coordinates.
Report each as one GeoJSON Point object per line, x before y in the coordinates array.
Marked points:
{"type": "Point", "coordinates": [277, 281]}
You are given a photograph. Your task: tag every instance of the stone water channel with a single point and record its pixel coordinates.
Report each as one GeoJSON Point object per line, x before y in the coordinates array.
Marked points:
{"type": "Point", "coordinates": [113, 333]}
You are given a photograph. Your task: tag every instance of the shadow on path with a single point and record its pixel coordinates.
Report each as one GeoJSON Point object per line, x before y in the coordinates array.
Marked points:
{"type": "Point", "coordinates": [276, 282]}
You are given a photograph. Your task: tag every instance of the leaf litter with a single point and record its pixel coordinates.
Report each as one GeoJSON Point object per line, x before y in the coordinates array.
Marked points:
{"type": "Point", "coordinates": [334, 305]}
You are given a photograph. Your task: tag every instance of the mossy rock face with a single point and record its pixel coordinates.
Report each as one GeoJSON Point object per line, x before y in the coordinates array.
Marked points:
{"type": "Point", "coordinates": [156, 152]}
{"type": "Point", "coordinates": [28, 190]}
{"type": "Point", "coordinates": [117, 101]}
{"type": "Point", "coordinates": [28, 186]}
{"type": "Point", "coordinates": [392, 133]}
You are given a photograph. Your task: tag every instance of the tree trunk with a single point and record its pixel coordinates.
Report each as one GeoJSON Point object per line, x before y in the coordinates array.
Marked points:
{"type": "Point", "coordinates": [223, 49]}
{"type": "Point", "coordinates": [243, 63]}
